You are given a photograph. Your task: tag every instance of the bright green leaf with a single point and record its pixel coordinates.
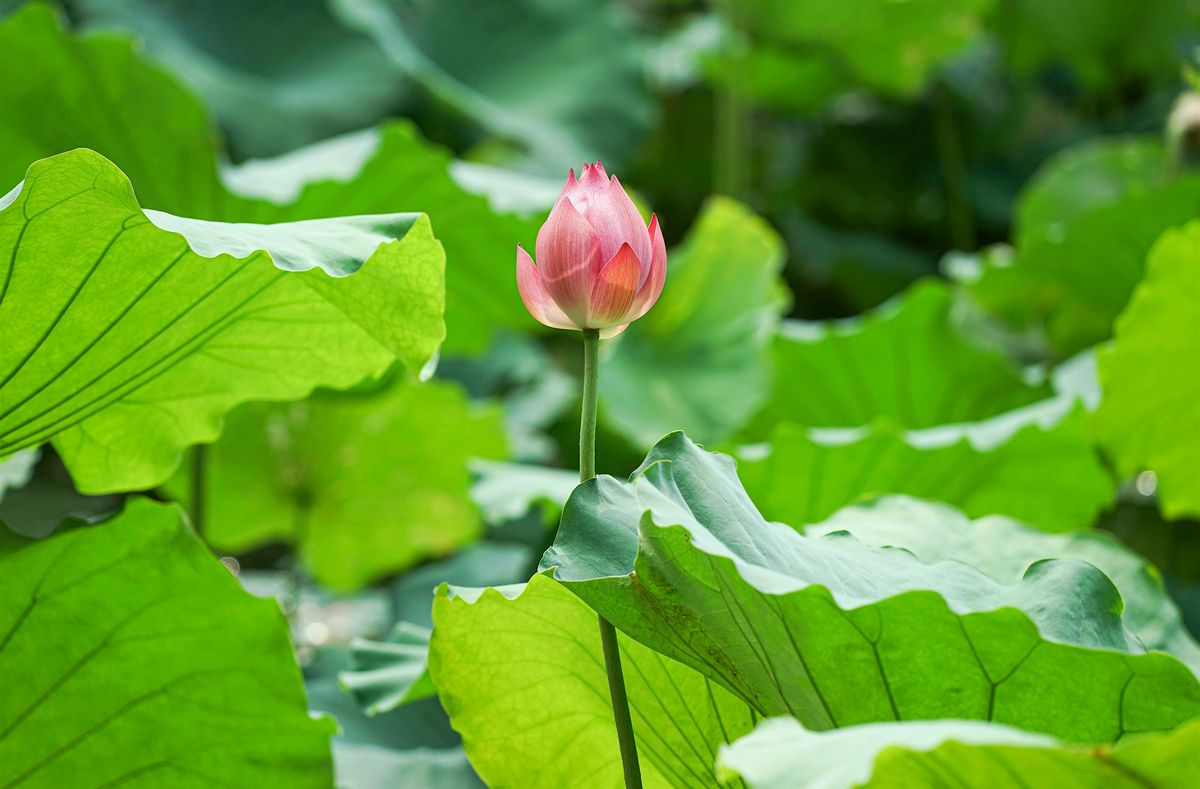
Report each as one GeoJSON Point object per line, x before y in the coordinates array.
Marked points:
{"type": "Point", "coordinates": [836, 633]}
{"type": "Point", "coordinates": [953, 753]}
{"type": "Point", "coordinates": [366, 484]}
{"type": "Point", "coordinates": [1150, 415]}
{"type": "Point", "coordinates": [142, 660]}
{"type": "Point", "coordinates": [521, 673]}
{"type": "Point", "coordinates": [128, 342]}
{"type": "Point", "coordinates": [698, 360]}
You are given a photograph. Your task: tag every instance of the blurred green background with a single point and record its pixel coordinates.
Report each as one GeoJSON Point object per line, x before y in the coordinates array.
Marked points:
{"type": "Point", "coordinates": [807, 160]}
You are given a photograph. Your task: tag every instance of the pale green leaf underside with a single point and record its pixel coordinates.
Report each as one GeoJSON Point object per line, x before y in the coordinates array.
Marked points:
{"type": "Point", "coordinates": [951, 754]}
{"type": "Point", "coordinates": [837, 633]}
{"type": "Point", "coordinates": [366, 484]}
{"type": "Point", "coordinates": [1003, 549]}
{"type": "Point", "coordinates": [507, 491]}
{"type": "Point", "coordinates": [387, 674]}
{"type": "Point", "coordinates": [520, 671]}
{"type": "Point", "coordinates": [60, 82]}
{"type": "Point", "coordinates": [905, 362]}
{"type": "Point", "coordinates": [141, 660]}
{"type": "Point", "coordinates": [1150, 415]}
{"type": "Point", "coordinates": [698, 361]}
{"type": "Point", "coordinates": [127, 344]}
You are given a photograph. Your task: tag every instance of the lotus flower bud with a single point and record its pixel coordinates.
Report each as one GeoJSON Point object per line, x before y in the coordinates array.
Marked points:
{"type": "Point", "coordinates": [598, 266]}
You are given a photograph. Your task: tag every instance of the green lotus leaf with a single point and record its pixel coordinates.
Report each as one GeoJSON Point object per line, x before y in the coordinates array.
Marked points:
{"type": "Point", "coordinates": [520, 671]}
{"type": "Point", "coordinates": [365, 483]}
{"type": "Point", "coordinates": [835, 632]}
{"type": "Point", "coordinates": [1036, 464]}
{"type": "Point", "coordinates": [907, 362]}
{"type": "Point", "coordinates": [1150, 415]}
{"type": "Point", "coordinates": [142, 660]}
{"type": "Point", "coordinates": [1084, 225]}
{"type": "Point", "coordinates": [132, 332]}
{"type": "Point", "coordinates": [782, 753]}
{"type": "Point", "coordinates": [386, 674]}
{"type": "Point", "coordinates": [1004, 549]}
{"type": "Point", "coordinates": [61, 82]}
{"type": "Point", "coordinates": [699, 360]}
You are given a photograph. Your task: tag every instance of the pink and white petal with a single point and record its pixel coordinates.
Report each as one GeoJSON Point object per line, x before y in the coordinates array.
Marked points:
{"type": "Point", "coordinates": [613, 331]}
{"type": "Point", "coordinates": [535, 296]}
{"type": "Point", "coordinates": [614, 290]}
{"type": "Point", "coordinates": [651, 289]}
{"type": "Point", "coordinates": [568, 255]}
{"type": "Point", "coordinates": [574, 191]}
{"type": "Point", "coordinates": [617, 221]}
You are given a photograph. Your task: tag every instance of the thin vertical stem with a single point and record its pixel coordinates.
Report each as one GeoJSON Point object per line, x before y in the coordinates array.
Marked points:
{"type": "Point", "coordinates": [197, 492]}
{"type": "Point", "coordinates": [608, 634]}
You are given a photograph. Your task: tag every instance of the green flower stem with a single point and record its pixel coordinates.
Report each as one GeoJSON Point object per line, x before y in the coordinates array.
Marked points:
{"type": "Point", "coordinates": [608, 634]}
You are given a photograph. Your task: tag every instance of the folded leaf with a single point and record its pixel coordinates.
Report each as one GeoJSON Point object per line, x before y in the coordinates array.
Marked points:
{"type": "Point", "coordinates": [521, 673]}
{"type": "Point", "coordinates": [142, 660]}
{"type": "Point", "coordinates": [835, 632]}
{"type": "Point", "coordinates": [129, 341]}
{"type": "Point", "coordinates": [781, 753]}
{"type": "Point", "coordinates": [389, 673]}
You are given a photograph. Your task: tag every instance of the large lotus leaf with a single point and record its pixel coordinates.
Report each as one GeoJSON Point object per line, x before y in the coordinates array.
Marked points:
{"type": "Point", "coordinates": [60, 83]}
{"type": "Point", "coordinates": [131, 655]}
{"type": "Point", "coordinates": [907, 361]}
{"type": "Point", "coordinates": [699, 360]}
{"type": "Point", "coordinates": [891, 47]}
{"type": "Point", "coordinates": [1106, 43]}
{"type": "Point", "coordinates": [366, 484]}
{"type": "Point", "coordinates": [521, 673]}
{"type": "Point", "coordinates": [836, 632]}
{"type": "Point", "coordinates": [1004, 550]}
{"type": "Point", "coordinates": [278, 73]}
{"type": "Point", "coordinates": [1150, 415]}
{"type": "Point", "coordinates": [1083, 228]}
{"type": "Point", "coordinates": [543, 84]}
{"type": "Point", "coordinates": [126, 342]}
{"type": "Point", "coordinates": [954, 753]}
{"type": "Point", "coordinates": [1036, 464]}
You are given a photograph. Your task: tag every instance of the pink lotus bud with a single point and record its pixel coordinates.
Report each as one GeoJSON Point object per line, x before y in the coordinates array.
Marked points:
{"type": "Point", "coordinates": [598, 266]}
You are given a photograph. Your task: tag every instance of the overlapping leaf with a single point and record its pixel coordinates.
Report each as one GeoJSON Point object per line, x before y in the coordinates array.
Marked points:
{"type": "Point", "coordinates": [127, 342]}
{"type": "Point", "coordinates": [952, 753]}
{"type": "Point", "coordinates": [365, 484]}
{"type": "Point", "coordinates": [1150, 415]}
{"type": "Point", "coordinates": [131, 632]}
{"type": "Point", "coordinates": [521, 673]}
{"type": "Point", "coordinates": [699, 360]}
{"type": "Point", "coordinates": [835, 632]}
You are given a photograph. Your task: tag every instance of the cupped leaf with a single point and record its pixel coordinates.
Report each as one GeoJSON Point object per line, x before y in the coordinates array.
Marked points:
{"type": "Point", "coordinates": [142, 660]}
{"type": "Point", "coordinates": [954, 753]}
{"type": "Point", "coordinates": [907, 362]}
{"type": "Point", "coordinates": [1150, 415]}
{"type": "Point", "coordinates": [520, 671]}
{"type": "Point", "coordinates": [1083, 228]}
{"type": "Point", "coordinates": [1036, 464]}
{"type": "Point", "coordinates": [699, 360]}
{"type": "Point", "coordinates": [61, 82]}
{"type": "Point", "coordinates": [279, 73]}
{"type": "Point", "coordinates": [132, 332]}
{"type": "Point", "coordinates": [1004, 549]}
{"type": "Point", "coordinates": [528, 84]}
{"type": "Point", "coordinates": [835, 632]}
{"type": "Point", "coordinates": [387, 674]}
{"type": "Point", "coordinates": [366, 484]}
